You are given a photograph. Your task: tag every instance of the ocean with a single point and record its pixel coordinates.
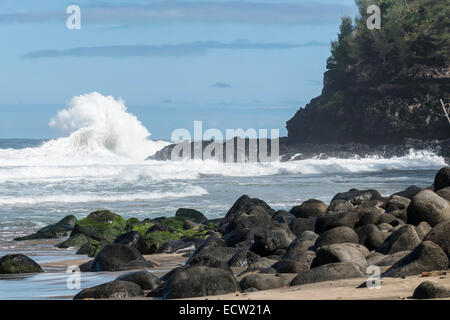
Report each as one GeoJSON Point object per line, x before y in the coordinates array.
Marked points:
{"type": "Point", "coordinates": [99, 164]}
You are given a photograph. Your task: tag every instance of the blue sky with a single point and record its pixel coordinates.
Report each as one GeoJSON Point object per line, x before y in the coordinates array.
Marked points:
{"type": "Point", "coordinates": [232, 64]}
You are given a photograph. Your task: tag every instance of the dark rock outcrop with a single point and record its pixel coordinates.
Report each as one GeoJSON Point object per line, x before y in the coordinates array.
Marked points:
{"type": "Point", "coordinates": [111, 290]}
{"type": "Point", "coordinates": [327, 272]}
{"type": "Point", "coordinates": [431, 290]}
{"type": "Point", "coordinates": [134, 239]}
{"type": "Point", "coordinates": [440, 235]}
{"type": "Point", "coordinates": [191, 214]}
{"type": "Point", "coordinates": [428, 206]}
{"type": "Point", "coordinates": [405, 238]}
{"type": "Point", "coordinates": [53, 231]}
{"type": "Point", "coordinates": [442, 179]}
{"type": "Point", "coordinates": [18, 263]}
{"type": "Point", "coordinates": [309, 208]}
{"type": "Point", "coordinates": [199, 281]}
{"type": "Point", "coordinates": [427, 256]}
{"type": "Point", "coordinates": [118, 257]}
{"type": "Point", "coordinates": [146, 280]}
{"type": "Point", "coordinates": [337, 235]}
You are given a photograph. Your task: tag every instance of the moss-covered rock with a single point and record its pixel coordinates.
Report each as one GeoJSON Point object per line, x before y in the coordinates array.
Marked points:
{"type": "Point", "coordinates": [90, 248]}
{"type": "Point", "coordinates": [18, 263]}
{"type": "Point", "coordinates": [103, 226]}
{"type": "Point", "coordinates": [75, 241]}
{"type": "Point", "coordinates": [53, 231]}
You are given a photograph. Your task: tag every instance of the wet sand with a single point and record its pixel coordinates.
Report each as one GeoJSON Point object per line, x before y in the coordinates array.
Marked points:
{"type": "Point", "coordinates": [391, 289]}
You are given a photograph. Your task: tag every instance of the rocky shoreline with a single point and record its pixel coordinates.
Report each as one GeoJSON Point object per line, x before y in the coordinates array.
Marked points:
{"type": "Point", "coordinates": [255, 248]}
{"type": "Point", "coordinates": [290, 150]}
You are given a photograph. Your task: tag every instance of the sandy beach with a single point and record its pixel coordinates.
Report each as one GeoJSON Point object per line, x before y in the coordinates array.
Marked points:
{"type": "Point", "coordinates": [345, 289]}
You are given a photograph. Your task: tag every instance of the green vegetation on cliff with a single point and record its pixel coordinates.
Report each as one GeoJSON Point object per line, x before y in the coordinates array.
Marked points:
{"type": "Point", "coordinates": [412, 32]}
{"type": "Point", "coordinates": [383, 85]}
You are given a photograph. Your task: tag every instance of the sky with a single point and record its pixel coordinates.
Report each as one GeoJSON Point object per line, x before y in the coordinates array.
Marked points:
{"type": "Point", "coordinates": [232, 64]}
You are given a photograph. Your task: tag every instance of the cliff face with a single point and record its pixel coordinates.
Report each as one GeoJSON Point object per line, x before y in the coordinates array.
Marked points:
{"type": "Point", "coordinates": [370, 104]}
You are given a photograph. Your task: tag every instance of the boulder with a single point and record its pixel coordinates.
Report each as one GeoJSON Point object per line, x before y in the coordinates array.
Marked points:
{"type": "Point", "coordinates": [119, 257]}
{"type": "Point", "coordinates": [390, 219]}
{"type": "Point", "coordinates": [220, 253]}
{"type": "Point", "coordinates": [53, 231]}
{"type": "Point", "coordinates": [444, 193]}
{"type": "Point", "coordinates": [91, 248]}
{"type": "Point", "coordinates": [429, 207]}
{"type": "Point", "coordinates": [422, 229]}
{"type": "Point", "coordinates": [101, 226]}
{"type": "Point", "coordinates": [440, 235]}
{"type": "Point", "coordinates": [442, 179]}
{"type": "Point", "coordinates": [405, 238]}
{"type": "Point", "coordinates": [397, 202]}
{"type": "Point", "coordinates": [300, 225]}
{"type": "Point", "coordinates": [134, 239]}
{"type": "Point", "coordinates": [431, 290]}
{"type": "Point", "coordinates": [307, 236]}
{"type": "Point", "coordinates": [86, 267]}
{"type": "Point", "coordinates": [238, 235]}
{"type": "Point", "coordinates": [340, 252]}
{"type": "Point", "coordinates": [368, 215]}
{"type": "Point", "coordinates": [263, 263]}
{"type": "Point", "coordinates": [340, 219]}
{"type": "Point", "coordinates": [309, 208]}
{"type": "Point", "coordinates": [385, 227]}
{"type": "Point", "coordinates": [427, 256]}
{"type": "Point", "coordinates": [327, 272]}
{"type": "Point", "coordinates": [188, 224]}
{"type": "Point", "coordinates": [244, 259]}
{"type": "Point", "coordinates": [357, 196]}
{"type": "Point", "coordinates": [290, 266]}
{"type": "Point", "coordinates": [209, 261]}
{"type": "Point", "coordinates": [111, 290]}
{"type": "Point", "coordinates": [379, 259]}
{"type": "Point", "coordinates": [75, 241]}
{"type": "Point", "coordinates": [160, 226]}
{"type": "Point", "coordinates": [199, 281]}
{"type": "Point", "coordinates": [409, 192]}
{"type": "Point", "coordinates": [297, 248]}
{"type": "Point", "coordinates": [18, 263]}
{"type": "Point", "coordinates": [340, 205]}
{"type": "Point", "coordinates": [283, 216]}
{"type": "Point", "coordinates": [371, 236]}
{"type": "Point", "coordinates": [191, 214]}
{"type": "Point", "coordinates": [267, 241]}
{"type": "Point", "coordinates": [255, 218]}
{"type": "Point", "coordinates": [244, 205]}
{"type": "Point", "coordinates": [146, 280]}
{"type": "Point", "coordinates": [261, 281]}
{"type": "Point", "coordinates": [175, 246]}
{"type": "Point", "coordinates": [336, 235]}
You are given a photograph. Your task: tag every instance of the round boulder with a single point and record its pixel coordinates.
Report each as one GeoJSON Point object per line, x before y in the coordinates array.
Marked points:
{"type": "Point", "coordinates": [336, 235]}
{"type": "Point", "coordinates": [309, 208]}
{"type": "Point", "coordinates": [18, 263]}
{"type": "Point", "coordinates": [119, 257]}
{"type": "Point", "coordinates": [405, 238]}
{"type": "Point", "coordinates": [146, 280]}
{"type": "Point", "coordinates": [199, 281]}
{"type": "Point", "coordinates": [428, 206]}
{"type": "Point", "coordinates": [440, 235]}
{"type": "Point", "coordinates": [111, 290]}
{"type": "Point", "coordinates": [431, 290]}
{"type": "Point", "coordinates": [442, 179]}
{"type": "Point", "coordinates": [427, 256]}
{"type": "Point", "coordinates": [290, 266]}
